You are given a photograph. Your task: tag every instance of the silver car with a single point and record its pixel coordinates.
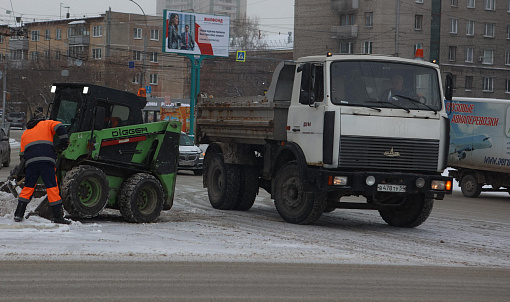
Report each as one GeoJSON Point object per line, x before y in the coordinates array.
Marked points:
{"type": "Point", "coordinates": [191, 157]}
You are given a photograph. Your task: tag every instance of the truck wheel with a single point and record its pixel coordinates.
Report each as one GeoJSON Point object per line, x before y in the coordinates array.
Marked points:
{"type": "Point", "coordinates": [470, 187]}
{"type": "Point", "coordinates": [415, 210]}
{"type": "Point", "coordinates": [223, 183]}
{"type": "Point", "coordinates": [84, 191]}
{"type": "Point", "coordinates": [292, 202]}
{"type": "Point", "coordinates": [141, 198]}
{"type": "Point", "coordinates": [249, 188]}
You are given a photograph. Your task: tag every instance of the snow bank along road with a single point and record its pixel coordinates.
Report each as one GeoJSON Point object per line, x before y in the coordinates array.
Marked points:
{"type": "Point", "coordinates": [459, 232]}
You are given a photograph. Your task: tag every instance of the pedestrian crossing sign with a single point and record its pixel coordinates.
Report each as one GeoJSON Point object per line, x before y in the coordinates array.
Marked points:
{"type": "Point", "coordinates": [241, 56]}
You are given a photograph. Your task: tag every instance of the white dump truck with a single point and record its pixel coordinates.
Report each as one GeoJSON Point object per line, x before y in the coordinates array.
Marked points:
{"type": "Point", "coordinates": [480, 144]}
{"type": "Point", "coordinates": [332, 126]}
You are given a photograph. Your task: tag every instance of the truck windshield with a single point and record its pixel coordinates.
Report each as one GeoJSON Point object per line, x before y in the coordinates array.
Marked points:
{"type": "Point", "coordinates": [385, 84]}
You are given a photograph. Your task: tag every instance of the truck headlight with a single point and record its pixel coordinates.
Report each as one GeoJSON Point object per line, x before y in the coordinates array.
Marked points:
{"type": "Point", "coordinates": [438, 185]}
{"type": "Point", "coordinates": [370, 180]}
{"type": "Point", "coordinates": [420, 182]}
{"type": "Point", "coordinates": [337, 180]}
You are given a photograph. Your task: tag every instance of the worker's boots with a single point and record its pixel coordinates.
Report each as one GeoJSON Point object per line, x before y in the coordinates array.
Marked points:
{"type": "Point", "coordinates": [58, 215]}
{"type": "Point", "coordinates": [20, 211]}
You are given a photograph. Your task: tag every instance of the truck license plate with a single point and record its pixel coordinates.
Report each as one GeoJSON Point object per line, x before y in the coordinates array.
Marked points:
{"type": "Point", "coordinates": [391, 188]}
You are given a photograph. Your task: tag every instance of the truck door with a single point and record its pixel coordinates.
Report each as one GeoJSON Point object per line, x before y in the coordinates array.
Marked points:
{"type": "Point", "coordinates": [306, 113]}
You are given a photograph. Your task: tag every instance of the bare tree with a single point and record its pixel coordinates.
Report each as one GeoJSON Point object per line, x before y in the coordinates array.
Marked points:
{"type": "Point", "coordinates": [246, 35]}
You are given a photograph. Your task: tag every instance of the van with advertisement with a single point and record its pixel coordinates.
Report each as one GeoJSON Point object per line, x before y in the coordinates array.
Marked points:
{"type": "Point", "coordinates": [479, 152]}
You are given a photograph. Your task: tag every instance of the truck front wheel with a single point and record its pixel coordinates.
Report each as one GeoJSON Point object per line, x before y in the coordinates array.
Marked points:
{"type": "Point", "coordinates": [413, 212]}
{"type": "Point", "coordinates": [141, 198]}
{"type": "Point", "coordinates": [84, 191]}
{"type": "Point", "coordinates": [292, 202]}
{"type": "Point", "coordinates": [470, 186]}
{"type": "Point", "coordinates": [223, 183]}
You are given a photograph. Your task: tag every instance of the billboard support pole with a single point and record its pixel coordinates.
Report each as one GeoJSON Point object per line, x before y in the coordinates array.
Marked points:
{"type": "Point", "coordinates": [196, 62]}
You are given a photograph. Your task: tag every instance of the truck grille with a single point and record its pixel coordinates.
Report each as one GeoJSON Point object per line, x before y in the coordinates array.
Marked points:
{"type": "Point", "coordinates": [380, 153]}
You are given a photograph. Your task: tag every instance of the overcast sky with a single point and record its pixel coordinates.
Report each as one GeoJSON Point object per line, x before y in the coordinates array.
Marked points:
{"type": "Point", "coordinates": [274, 15]}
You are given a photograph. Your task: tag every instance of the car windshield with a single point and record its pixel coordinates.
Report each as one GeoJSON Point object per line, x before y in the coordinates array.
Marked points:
{"type": "Point", "coordinates": [186, 140]}
{"type": "Point", "coordinates": [385, 85]}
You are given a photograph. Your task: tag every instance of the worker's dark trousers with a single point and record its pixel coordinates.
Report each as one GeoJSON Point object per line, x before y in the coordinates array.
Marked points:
{"type": "Point", "coordinates": [46, 170]}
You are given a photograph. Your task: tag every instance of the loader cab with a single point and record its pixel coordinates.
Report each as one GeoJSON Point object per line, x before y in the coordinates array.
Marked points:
{"type": "Point", "coordinates": [75, 106]}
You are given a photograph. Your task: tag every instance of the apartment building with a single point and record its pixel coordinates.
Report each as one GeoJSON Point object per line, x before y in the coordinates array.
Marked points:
{"type": "Point", "coordinates": [118, 50]}
{"type": "Point", "coordinates": [468, 38]}
{"type": "Point", "coordinates": [235, 9]}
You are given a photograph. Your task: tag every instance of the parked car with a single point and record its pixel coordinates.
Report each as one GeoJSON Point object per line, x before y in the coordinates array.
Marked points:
{"type": "Point", "coordinates": [17, 119]}
{"type": "Point", "coordinates": [5, 148]}
{"type": "Point", "coordinates": [191, 157]}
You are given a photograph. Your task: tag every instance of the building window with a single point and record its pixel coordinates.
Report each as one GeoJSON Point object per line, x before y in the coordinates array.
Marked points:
{"type": "Point", "coordinates": [47, 54]}
{"type": "Point", "coordinates": [367, 47]}
{"type": "Point", "coordinates": [508, 6]}
{"type": "Point", "coordinates": [35, 35]}
{"type": "Point", "coordinates": [153, 57]}
{"type": "Point", "coordinates": [34, 56]}
{"type": "Point", "coordinates": [155, 34]}
{"type": "Point", "coordinates": [470, 28]}
{"type": "Point", "coordinates": [453, 26]}
{"type": "Point", "coordinates": [452, 53]}
{"type": "Point", "coordinates": [1, 39]}
{"type": "Point", "coordinates": [489, 30]}
{"type": "Point", "coordinates": [488, 57]}
{"type": "Point", "coordinates": [58, 34]}
{"type": "Point", "coordinates": [96, 53]}
{"type": "Point", "coordinates": [419, 1]}
{"type": "Point", "coordinates": [57, 55]}
{"type": "Point", "coordinates": [97, 31]}
{"type": "Point", "coordinates": [507, 86]}
{"type": "Point", "coordinates": [153, 79]}
{"type": "Point", "coordinates": [346, 47]}
{"type": "Point", "coordinates": [369, 19]}
{"type": "Point", "coordinates": [469, 83]}
{"type": "Point", "coordinates": [136, 79]}
{"type": "Point", "coordinates": [488, 84]}
{"type": "Point", "coordinates": [470, 3]}
{"type": "Point", "coordinates": [137, 55]}
{"type": "Point", "coordinates": [508, 32]}
{"type": "Point", "coordinates": [507, 58]}
{"type": "Point", "coordinates": [469, 54]}
{"type": "Point", "coordinates": [454, 3]}
{"type": "Point", "coordinates": [418, 22]}
{"type": "Point", "coordinates": [347, 19]}
{"type": "Point", "coordinates": [489, 5]}
{"type": "Point", "coordinates": [137, 33]}
{"type": "Point", "coordinates": [47, 35]}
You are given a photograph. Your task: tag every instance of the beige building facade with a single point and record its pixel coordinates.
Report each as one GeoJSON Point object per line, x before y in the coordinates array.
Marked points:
{"type": "Point", "coordinates": [468, 38]}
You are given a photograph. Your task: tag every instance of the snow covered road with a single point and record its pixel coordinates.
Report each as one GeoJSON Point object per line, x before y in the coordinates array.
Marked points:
{"type": "Point", "coordinates": [459, 232]}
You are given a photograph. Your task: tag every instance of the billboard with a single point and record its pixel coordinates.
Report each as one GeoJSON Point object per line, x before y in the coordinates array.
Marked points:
{"type": "Point", "coordinates": [198, 34]}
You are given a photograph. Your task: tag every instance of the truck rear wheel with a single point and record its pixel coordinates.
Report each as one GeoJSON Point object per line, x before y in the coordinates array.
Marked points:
{"type": "Point", "coordinates": [223, 183]}
{"type": "Point", "coordinates": [292, 202]}
{"type": "Point", "coordinates": [249, 188]}
{"type": "Point", "coordinates": [141, 198]}
{"type": "Point", "coordinates": [415, 210]}
{"type": "Point", "coordinates": [470, 186]}
{"type": "Point", "coordinates": [84, 191]}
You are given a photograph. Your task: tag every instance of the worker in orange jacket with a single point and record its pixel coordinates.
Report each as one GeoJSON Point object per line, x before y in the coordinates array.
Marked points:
{"type": "Point", "coordinates": [40, 160]}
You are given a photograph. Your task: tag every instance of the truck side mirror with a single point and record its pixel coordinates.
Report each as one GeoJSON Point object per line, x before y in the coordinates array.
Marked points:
{"type": "Point", "coordinates": [448, 89]}
{"type": "Point", "coordinates": [99, 118]}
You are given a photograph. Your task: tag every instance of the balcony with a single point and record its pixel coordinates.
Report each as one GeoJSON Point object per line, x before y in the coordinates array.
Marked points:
{"type": "Point", "coordinates": [344, 32]}
{"type": "Point", "coordinates": [79, 40]}
{"type": "Point", "coordinates": [344, 5]}
{"type": "Point", "coordinates": [16, 44]}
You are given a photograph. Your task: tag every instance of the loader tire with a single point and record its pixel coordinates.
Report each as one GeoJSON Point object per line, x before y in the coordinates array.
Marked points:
{"type": "Point", "coordinates": [413, 212]}
{"type": "Point", "coordinates": [84, 191]}
{"type": "Point", "coordinates": [293, 203]}
{"type": "Point", "coordinates": [223, 183]}
{"type": "Point", "coordinates": [141, 198]}
{"type": "Point", "coordinates": [249, 188]}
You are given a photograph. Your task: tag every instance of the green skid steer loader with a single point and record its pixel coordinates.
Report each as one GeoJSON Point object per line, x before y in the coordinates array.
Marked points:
{"type": "Point", "coordinates": [113, 159]}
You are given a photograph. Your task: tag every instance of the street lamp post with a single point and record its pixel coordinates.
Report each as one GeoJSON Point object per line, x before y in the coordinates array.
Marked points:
{"type": "Point", "coordinates": [144, 54]}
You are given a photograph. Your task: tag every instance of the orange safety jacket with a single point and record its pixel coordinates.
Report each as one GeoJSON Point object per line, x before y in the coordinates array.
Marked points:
{"type": "Point", "coordinates": [37, 142]}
